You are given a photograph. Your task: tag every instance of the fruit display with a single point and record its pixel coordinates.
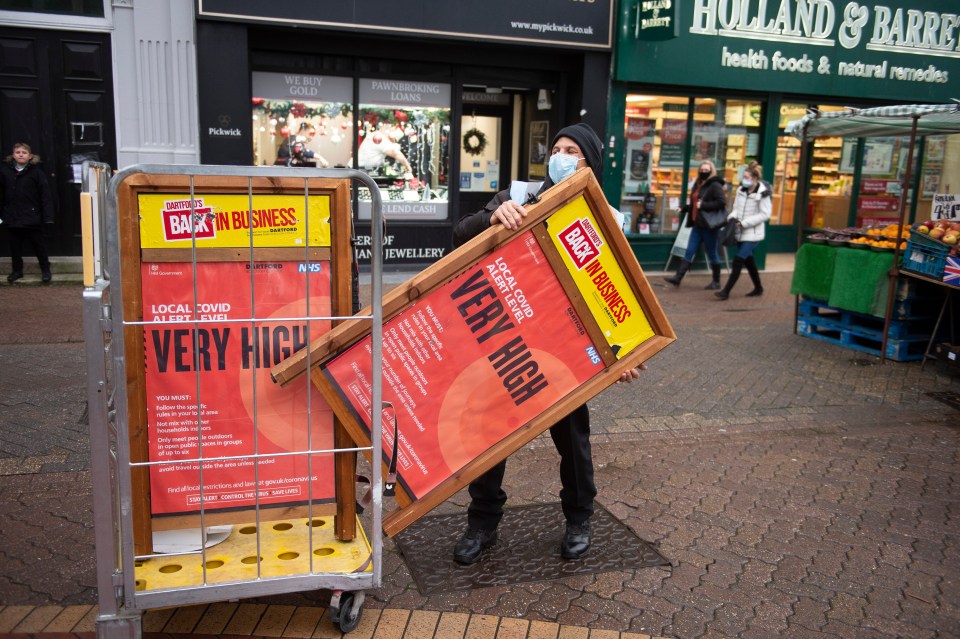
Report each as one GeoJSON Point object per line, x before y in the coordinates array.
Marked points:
{"type": "Point", "coordinates": [888, 232]}
{"type": "Point", "coordinates": [882, 238]}
{"type": "Point", "coordinates": [885, 237]}
{"type": "Point", "coordinates": [880, 243]}
{"type": "Point", "coordinates": [946, 230]}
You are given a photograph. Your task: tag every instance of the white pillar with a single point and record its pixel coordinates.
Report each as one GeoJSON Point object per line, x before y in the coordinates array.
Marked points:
{"type": "Point", "coordinates": [155, 82]}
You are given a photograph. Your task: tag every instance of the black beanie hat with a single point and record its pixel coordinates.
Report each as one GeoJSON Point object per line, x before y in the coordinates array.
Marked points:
{"type": "Point", "coordinates": [588, 141]}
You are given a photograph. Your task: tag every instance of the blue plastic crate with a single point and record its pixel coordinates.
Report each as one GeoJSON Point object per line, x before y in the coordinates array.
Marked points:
{"type": "Point", "coordinates": [925, 257]}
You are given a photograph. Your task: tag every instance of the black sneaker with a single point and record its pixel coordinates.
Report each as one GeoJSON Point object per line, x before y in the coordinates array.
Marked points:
{"type": "Point", "coordinates": [473, 542]}
{"type": "Point", "coordinates": [13, 277]}
{"type": "Point", "coordinates": [576, 541]}
{"type": "Point", "coordinates": [47, 275]}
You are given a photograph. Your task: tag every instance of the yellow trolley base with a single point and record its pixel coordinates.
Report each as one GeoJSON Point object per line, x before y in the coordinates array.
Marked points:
{"type": "Point", "coordinates": [287, 548]}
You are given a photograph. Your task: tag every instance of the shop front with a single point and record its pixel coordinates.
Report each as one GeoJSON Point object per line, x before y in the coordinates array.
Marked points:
{"type": "Point", "coordinates": [713, 80]}
{"type": "Point", "coordinates": [442, 108]}
{"type": "Point", "coordinates": [56, 95]}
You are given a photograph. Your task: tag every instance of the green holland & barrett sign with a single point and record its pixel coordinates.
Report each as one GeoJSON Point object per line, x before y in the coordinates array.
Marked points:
{"type": "Point", "coordinates": [897, 50]}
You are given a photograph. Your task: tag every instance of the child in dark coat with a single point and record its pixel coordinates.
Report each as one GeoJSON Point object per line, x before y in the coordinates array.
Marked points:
{"type": "Point", "coordinates": [27, 207]}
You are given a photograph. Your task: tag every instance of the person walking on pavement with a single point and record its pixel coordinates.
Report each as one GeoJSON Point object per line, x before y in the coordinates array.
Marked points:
{"type": "Point", "coordinates": [574, 147]}
{"type": "Point", "coordinates": [27, 208]}
{"type": "Point", "coordinates": [751, 210]}
{"type": "Point", "coordinates": [706, 195]}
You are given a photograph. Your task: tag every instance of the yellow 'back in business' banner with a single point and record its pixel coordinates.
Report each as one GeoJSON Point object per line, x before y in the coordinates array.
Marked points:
{"type": "Point", "coordinates": [232, 221]}
{"type": "Point", "coordinates": [598, 276]}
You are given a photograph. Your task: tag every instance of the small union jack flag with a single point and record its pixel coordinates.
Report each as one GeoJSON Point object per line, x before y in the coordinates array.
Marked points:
{"type": "Point", "coordinates": [951, 271]}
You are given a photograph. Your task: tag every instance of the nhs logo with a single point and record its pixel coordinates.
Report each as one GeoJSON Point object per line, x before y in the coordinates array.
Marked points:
{"type": "Point", "coordinates": [312, 267]}
{"type": "Point", "coordinates": [593, 355]}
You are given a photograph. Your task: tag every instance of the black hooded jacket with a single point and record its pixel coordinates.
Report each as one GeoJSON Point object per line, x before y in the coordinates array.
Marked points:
{"type": "Point", "coordinates": [589, 142]}
{"type": "Point", "coordinates": [25, 196]}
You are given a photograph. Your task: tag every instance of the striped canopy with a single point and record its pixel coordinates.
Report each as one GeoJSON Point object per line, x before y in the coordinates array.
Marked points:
{"type": "Point", "coordinates": [930, 119]}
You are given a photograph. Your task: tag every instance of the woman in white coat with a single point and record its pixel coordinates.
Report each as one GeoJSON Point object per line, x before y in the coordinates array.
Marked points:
{"type": "Point", "coordinates": [751, 210]}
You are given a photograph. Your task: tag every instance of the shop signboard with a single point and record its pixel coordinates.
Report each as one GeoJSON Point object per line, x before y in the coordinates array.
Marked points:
{"type": "Point", "coordinates": [880, 186]}
{"type": "Point", "coordinates": [487, 348]}
{"type": "Point", "coordinates": [945, 206]}
{"type": "Point", "coordinates": [207, 390]}
{"type": "Point", "coordinates": [482, 97]}
{"type": "Point", "coordinates": [876, 204]}
{"type": "Point", "coordinates": [891, 50]}
{"type": "Point", "coordinates": [224, 277]}
{"type": "Point", "coordinates": [228, 221]}
{"type": "Point", "coordinates": [640, 139]}
{"type": "Point", "coordinates": [580, 24]}
{"type": "Point", "coordinates": [299, 86]}
{"type": "Point", "coordinates": [931, 182]}
{"type": "Point", "coordinates": [673, 138]}
{"type": "Point", "coordinates": [848, 155]}
{"type": "Point", "coordinates": [878, 156]}
{"type": "Point", "coordinates": [706, 138]}
{"type": "Point", "coordinates": [223, 417]}
{"type": "Point", "coordinates": [655, 20]}
{"type": "Point", "coordinates": [406, 245]}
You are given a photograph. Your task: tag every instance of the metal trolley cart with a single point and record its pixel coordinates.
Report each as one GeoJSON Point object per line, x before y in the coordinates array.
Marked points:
{"type": "Point", "coordinates": [211, 483]}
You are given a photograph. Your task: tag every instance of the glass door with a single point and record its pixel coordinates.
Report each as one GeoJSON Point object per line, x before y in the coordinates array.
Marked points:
{"type": "Point", "coordinates": [485, 144]}
{"type": "Point", "coordinates": [785, 172]}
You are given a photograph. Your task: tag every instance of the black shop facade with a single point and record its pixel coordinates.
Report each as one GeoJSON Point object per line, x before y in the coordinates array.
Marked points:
{"type": "Point", "coordinates": [442, 106]}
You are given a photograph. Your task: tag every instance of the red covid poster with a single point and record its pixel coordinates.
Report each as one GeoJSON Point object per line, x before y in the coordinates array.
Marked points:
{"type": "Point", "coordinates": [470, 363]}
{"type": "Point", "coordinates": [209, 394]}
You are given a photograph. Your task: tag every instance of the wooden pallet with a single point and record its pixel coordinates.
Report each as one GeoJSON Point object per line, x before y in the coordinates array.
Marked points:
{"type": "Point", "coordinates": [842, 319]}
{"type": "Point", "coordinates": [906, 341]}
{"type": "Point", "coordinates": [905, 307]}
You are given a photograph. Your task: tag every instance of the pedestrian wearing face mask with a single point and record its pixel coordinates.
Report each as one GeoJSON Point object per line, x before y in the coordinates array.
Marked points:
{"type": "Point", "coordinates": [707, 194]}
{"type": "Point", "coordinates": [751, 210]}
{"type": "Point", "coordinates": [574, 147]}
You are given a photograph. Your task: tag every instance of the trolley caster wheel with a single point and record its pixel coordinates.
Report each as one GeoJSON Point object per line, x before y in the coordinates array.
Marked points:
{"type": "Point", "coordinates": [346, 608]}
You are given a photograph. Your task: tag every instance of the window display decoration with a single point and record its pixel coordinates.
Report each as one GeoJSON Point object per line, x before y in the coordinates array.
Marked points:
{"type": "Point", "coordinates": [286, 108]}
{"type": "Point", "coordinates": [275, 111]}
{"type": "Point", "coordinates": [474, 141]}
{"type": "Point", "coordinates": [374, 117]}
{"type": "Point", "coordinates": [414, 132]}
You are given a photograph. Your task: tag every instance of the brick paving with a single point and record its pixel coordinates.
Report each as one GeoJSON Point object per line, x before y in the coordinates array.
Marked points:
{"type": "Point", "coordinates": [800, 490]}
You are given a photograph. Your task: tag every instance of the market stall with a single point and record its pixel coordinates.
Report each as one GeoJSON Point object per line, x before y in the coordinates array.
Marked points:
{"type": "Point", "coordinates": [821, 271]}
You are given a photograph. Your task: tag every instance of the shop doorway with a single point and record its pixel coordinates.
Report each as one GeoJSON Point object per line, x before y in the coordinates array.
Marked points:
{"type": "Point", "coordinates": [486, 150]}
{"type": "Point", "coordinates": [56, 94]}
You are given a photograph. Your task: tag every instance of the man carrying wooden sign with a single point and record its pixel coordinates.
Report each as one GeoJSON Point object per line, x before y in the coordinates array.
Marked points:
{"type": "Point", "coordinates": [574, 147]}
{"type": "Point", "coordinates": [495, 343]}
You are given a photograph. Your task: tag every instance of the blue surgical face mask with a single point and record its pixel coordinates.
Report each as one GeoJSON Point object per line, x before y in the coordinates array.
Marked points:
{"type": "Point", "coordinates": [562, 166]}
{"type": "Point", "coordinates": [746, 183]}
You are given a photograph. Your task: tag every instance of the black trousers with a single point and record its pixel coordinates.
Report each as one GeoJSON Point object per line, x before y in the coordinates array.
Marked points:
{"type": "Point", "coordinates": [571, 436]}
{"type": "Point", "coordinates": [19, 239]}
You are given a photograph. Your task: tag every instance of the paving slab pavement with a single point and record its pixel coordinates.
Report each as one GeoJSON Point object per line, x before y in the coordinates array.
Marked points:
{"type": "Point", "coordinates": [801, 489]}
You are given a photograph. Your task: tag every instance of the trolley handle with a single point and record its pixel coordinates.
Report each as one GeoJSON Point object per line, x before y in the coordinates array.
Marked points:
{"type": "Point", "coordinates": [390, 483]}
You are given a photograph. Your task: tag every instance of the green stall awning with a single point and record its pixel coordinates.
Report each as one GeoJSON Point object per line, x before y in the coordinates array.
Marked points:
{"type": "Point", "coordinates": [930, 119]}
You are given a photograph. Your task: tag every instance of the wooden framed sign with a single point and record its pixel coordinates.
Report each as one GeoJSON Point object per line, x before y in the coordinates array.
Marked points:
{"type": "Point", "coordinates": [493, 344]}
{"type": "Point", "coordinates": [223, 278]}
